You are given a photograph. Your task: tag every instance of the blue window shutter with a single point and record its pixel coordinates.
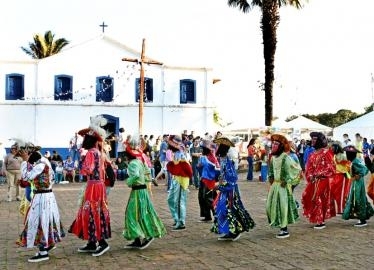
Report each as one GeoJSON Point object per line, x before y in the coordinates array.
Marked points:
{"type": "Point", "coordinates": [104, 88]}
{"type": "Point", "coordinates": [14, 87]}
{"type": "Point", "coordinates": [148, 90]}
{"type": "Point", "coordinates": [63, 87]}
{"type": "Point", "coordinates": [187, 91]}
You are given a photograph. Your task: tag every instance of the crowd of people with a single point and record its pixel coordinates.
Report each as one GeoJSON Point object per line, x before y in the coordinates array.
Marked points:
{"type": "Point", "coordinates": [333, 172]}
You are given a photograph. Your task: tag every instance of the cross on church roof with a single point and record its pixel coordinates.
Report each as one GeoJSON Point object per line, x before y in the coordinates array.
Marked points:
{"type": "Point", "coordinates": [103, 25]}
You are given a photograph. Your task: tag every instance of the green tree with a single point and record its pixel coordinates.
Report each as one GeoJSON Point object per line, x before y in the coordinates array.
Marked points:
{"type": "Point", "coordinates": [269, 24]}
{"type": "Point", "coordinates": [44, 46]}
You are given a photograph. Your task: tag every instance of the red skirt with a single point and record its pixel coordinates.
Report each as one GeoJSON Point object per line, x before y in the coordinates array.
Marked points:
{"type": "Point", "coordinates": [317, 202]}
{"type": "Point", "coordinates": [340, 186]}
{"type": "Point", "coordinates": [92, 221]}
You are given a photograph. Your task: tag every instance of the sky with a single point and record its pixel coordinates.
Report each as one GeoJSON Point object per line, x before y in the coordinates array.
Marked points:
{"type": "Point", "coordinates": [323, 61]}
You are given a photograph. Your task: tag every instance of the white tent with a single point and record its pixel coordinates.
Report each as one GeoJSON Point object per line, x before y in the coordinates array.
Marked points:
{"type": "Point", "coordinates": [363, 125]}
{"type": "Point", "coordinates": [302, 126]}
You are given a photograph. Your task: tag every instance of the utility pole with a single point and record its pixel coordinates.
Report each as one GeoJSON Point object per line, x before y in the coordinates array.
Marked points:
{"type": "Point", "coordinates": [143, 60]}
{"type": "Point", "coordinates": [372, 93]}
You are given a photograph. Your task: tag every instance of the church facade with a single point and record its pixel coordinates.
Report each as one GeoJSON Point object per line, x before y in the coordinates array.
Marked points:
{"type": "Point", "coordinates": [46, 101]}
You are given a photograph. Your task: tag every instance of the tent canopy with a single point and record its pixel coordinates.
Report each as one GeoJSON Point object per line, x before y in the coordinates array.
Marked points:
{"type": "Point", "coordinates": [363, 125]}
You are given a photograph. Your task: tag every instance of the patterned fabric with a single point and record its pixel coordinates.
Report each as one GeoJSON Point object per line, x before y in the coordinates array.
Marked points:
{"type": "Point", "coordinates": [280, 205]}
{"type": "Point", "coordinates": [316, 199]}
{"type": "Point", "coordinates": [43, 226]}
{"type": "Point", "coordinates": [357, 205]}
{"type": "Point", "coordinates": [42, 222]}
{"type": "Point", "coordinates": [230, 214]}
{"type": "Point", "coordinates": [92, 221]}
{"type": "Point", "coordinates": [141, 219]}
{"type": "Point", "coordinates": [340, 184]}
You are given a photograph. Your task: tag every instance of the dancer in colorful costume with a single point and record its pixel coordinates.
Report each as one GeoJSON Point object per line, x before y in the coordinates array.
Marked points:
{"type": "Point", "coordinates": [231, 218]}
{"type": "Point", "coordinates": [209, 171]}
{"type": "Point", "coordinates": [42, 223]}
{"type": "Point", "coordinates": [92, 222]}
{"type": "Point", "coordinates": [141, 222]}
{"type": "Point", "coordinates": [357, 205]}
{"type": "Point", "coordinates": [340, 184]}
{"type": "Point", "coordinates": [281, 206]}
{"type": "Point", "coordinates": [181, 172]}
{"type": "Point", "coordinates": [320, 168]}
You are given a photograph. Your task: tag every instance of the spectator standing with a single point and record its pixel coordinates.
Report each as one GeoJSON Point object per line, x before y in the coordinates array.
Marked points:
{"type": "Point", "coordinates": [12, 170]}
{"type": "Point", "coordinates": [196, 151]}
{"type": "Point", "coordinates": [120, 143]}
{"type": "Point", "coordinates": [74, 146]}
{"type": "Point", "coordinates": [300, 153]}
{"type": "Point", "coordinates": [252, 154]}
{"type": "Point", "coordinates": [59, 173]}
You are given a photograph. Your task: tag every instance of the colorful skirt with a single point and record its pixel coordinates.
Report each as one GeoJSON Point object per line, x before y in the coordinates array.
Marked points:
{"type": "Point", "coordinates": [141, 219]}
{"type": "Point", "coordinates": [230, 214]}
{"type": "Point", "coordinates": [357, 206]}
{"type": "Point", "coordinates": [92, 221]}
{"type": "Point", "coordinates": [280, 206]}
{"type": "Point", "coordinates": [43, 226]}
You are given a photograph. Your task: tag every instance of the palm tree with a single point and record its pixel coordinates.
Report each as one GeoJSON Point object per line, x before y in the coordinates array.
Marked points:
{"type": "Point", "coordinates": [45, 46]}
{"type": "Point", "coordinates": [269, 24]}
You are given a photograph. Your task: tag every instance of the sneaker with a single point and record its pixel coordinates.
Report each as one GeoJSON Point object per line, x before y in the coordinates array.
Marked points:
{"type": "Point", "coordinates": [361, 224]}
{"type": "Point", "coordinates": [226, 237]}
{"type": "Point", "coordinates": [320, 226]}
{"type": "Point", "coordinates": [235, 237]}
{"type": "Point", "coordinates": [39, 257]}
{"type": "Point", "coordinates": [146, 243]}
{"type": "Point", "coordinates": [87, 249]}
{"type": "Point", "coordinates": [179, 228]}
{"type": "Point", "coordinates": [9, 200]}
{"type": "Point", "coordinates": [283, 234]}
{"type": "Point", "coordinates": [101, 250]}
{"type": "Point", "coordinates": [134, 245]}
{"type": "Point", "coordinates": [18, 198]}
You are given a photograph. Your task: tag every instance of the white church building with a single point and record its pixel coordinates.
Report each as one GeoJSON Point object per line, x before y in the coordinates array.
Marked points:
{"type": "Point", "coordinates": [46, 101]}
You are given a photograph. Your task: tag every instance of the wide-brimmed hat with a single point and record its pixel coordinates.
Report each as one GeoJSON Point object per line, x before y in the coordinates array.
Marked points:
{"type": "Point", "coordinates": [95, 129]}
{"type": "Point", "coordinates": [175, 141]}
{"type": "Point", "coordinates": [283, 140]}
{"type": "Point", "coordinates": [352, 149]}
{"type": "Point", "coordinates": [224, 140]}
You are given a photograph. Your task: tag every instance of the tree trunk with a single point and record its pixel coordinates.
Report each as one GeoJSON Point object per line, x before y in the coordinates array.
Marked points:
{"type": "Point", "coordinates": [269, 25]}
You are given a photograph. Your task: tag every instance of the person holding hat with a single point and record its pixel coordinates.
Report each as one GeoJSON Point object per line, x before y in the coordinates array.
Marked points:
{"type": "Point", "coordinates": [42, 227]}
{"type": "Point", "coordinates": [92, 221]}
{"type": "Point", "coordinates": [230, 218]}
{"type": "Point", "coordinates": [209, 168]}
{"type": "Point", "coordinates": [181, 172]}
{"type": "Point", "coordinates": [141, 222]}
{"type": "Point", "coordinates": [281, 206]}
{"type": "Point", "coordinates": [357, 205]}
{"type": "Point", "coordinates": [320, 168]}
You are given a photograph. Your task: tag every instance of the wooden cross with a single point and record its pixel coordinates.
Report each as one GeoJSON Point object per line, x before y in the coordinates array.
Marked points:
{"type": "Point", "coordinates": [103, 25]}
{"type": "Point", "coordinates": [143, 60]}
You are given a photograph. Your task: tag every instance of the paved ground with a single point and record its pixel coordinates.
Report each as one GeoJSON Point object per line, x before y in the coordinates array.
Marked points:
{"type": "Point", "coordinates": [339, 246]}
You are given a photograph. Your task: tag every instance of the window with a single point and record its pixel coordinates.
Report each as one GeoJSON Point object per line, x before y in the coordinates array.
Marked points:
{"type": "Point", "coordinates": [104, 89]}
{"type": "Point", "coordinates": [187, 91]}
{"type": "Point", "coordinates": [148, 90]}
{"type": "Point", "coordinates": [14, 87]}
{"type": "Point", "coordinates": [63, 87]}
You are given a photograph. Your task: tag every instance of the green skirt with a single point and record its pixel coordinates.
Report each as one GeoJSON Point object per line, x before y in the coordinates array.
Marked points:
{"type": "Point", "coordinates": [141, 219]}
